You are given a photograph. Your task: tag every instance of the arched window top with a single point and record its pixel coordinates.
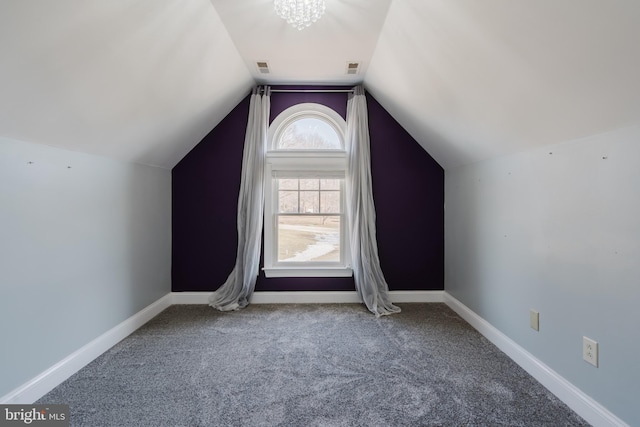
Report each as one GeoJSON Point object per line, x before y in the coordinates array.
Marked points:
{"type": "Point", "coordinates": [305, 127]}
{"type": "Point", "coordinates": [308, 133]}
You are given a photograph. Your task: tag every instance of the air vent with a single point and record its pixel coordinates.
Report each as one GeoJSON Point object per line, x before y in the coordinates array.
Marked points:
{"type": "Point", "coordinates": [352, 67]}
{"type": "Point", "coordinates": [263, 67]}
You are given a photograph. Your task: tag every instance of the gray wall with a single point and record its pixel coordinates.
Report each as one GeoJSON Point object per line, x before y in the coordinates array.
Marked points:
{"type": "Point", "coordinates": [557, 230]}
{"type": "Point", "coordinates": [81, 250]}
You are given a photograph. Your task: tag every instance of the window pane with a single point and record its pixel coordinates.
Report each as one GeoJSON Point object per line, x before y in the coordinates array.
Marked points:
{"type": "Point", "coordinates": [330, 184]}
{"type": "Point", "coordinates": [288, 201]}
{"type": "Point", "coordinates": [308, 238]}
{"type": "Point", "coordinates": [330, 201]}
{"type": "Point", "coordinates": [309, 201]}
{"type": "Point", "coordinates": [288, 184]}
{"type": "Point", "coordinates": [309, 134]}
{"type": "Point", "coordinates": [310, 184]}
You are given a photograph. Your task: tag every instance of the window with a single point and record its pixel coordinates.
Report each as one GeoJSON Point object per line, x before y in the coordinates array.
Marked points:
{"type": "Point", "coordinates": [305, 224]}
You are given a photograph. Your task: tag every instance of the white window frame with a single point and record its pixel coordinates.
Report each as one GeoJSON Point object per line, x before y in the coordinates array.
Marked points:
{"type": "Point", "coordinates": [303, 163]}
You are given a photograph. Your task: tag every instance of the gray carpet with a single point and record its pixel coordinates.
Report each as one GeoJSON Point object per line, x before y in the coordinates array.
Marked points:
{"type": "Point", "coordinates": [307, 365]}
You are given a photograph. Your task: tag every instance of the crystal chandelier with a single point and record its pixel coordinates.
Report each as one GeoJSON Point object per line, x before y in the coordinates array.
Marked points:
{"type": "Point", "coordinates": [300, 13]}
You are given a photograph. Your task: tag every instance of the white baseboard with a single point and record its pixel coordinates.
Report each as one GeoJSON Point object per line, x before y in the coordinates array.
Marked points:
{"type": "Point", "coordinates": [578, 401]}
{"type": "Point", "coordinates": [416, 296]}
{"type": "Point", "coordinates": [312, 297]}
{"type": "Point", "coordinates": [185, 298]}
{"type": "Point", "coordinates": [305, 297]}
{"type": "Point", "coordinates": [43, 383]}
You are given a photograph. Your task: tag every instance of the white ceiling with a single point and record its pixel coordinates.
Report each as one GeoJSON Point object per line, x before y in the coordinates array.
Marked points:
{"type": "Point", "coordinates": [145, 80]}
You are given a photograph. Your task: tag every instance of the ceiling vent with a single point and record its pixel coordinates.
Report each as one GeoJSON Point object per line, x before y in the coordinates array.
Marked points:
{"type": "Point", "coordinates": [353, 67]}
{"type": "Point", "coordinates": [263, 67]}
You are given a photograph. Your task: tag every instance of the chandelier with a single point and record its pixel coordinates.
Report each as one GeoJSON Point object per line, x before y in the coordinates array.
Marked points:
{"type": "Point", "coordinates": [299, 13]}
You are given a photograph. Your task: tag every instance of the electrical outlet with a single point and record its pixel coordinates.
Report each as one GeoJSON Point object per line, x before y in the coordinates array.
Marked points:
{"type": "Point", "coordinates": [534, 320]}
{"type": "Point", "coordinates": [590, 351]}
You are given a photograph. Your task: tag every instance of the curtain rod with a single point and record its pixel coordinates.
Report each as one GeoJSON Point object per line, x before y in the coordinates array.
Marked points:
{"type": "Point", "coordinates": [311, 90]}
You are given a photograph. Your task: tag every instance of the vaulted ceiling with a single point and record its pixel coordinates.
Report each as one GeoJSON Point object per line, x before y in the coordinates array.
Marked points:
{"type": "Point", "coordinates": [145, 80]}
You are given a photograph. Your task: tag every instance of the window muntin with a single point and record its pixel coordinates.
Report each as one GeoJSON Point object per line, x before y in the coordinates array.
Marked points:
{"type": "Point", "coordinates": [305, 226]}
{"type": "Point", "coordinates": [309, 195]}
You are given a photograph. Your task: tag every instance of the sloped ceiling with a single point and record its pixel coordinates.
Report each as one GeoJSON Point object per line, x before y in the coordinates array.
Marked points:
{"type": "Point", "coordinates": [471, 80]}
{"type": "Point", "coordinates": [142, 81]}
{"type": "Point", "coordinates": [145, 80]}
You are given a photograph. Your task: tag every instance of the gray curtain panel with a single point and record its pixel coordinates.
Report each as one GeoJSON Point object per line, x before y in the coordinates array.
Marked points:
{"type": "Point", "coordinates": [361, 213]}
{"type": "Point", "coordinates": [235, 292]}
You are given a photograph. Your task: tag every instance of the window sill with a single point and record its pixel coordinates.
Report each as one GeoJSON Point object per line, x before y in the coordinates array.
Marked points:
{"type": "Point", "coordinates": [308, 272]}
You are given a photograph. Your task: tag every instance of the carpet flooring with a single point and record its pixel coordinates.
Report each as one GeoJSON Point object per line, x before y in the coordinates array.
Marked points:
{"type": "Point", "coordinates": [307, 365]}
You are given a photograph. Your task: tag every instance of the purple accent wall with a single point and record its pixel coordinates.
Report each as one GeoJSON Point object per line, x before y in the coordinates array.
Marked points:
{"type": "Point", "coordinates": [408, 190]}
